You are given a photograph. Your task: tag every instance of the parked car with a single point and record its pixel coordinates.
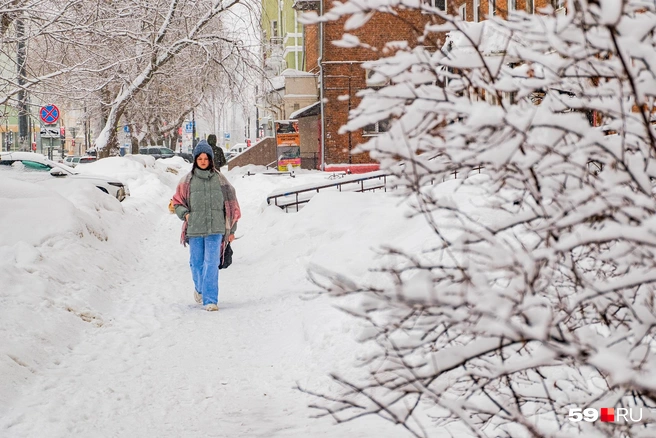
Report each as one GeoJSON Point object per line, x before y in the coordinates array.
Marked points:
{"type": "Point", "coordinates": [162, 152]}
{"type": "Point", "coordinates": [238, 148]}
{"type": "Point", "coordinates": [189, 158]}
{"type": "Point", "coordinates": [31, 162]}
{"type": "Point", "coordinates": [157, 152]}
{"type": "Point", "coordinates": [73, 161]}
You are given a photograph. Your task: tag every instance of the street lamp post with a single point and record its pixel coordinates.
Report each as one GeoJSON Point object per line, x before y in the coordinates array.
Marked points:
{"type": "Point", "coordinates": [193, 129]}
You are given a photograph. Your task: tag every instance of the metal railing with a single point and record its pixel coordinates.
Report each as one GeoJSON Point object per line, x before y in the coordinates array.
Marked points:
{"type": "Point", "coordinates": [347, 183]}
{"type": "Point", "coordinates": [294, 198]}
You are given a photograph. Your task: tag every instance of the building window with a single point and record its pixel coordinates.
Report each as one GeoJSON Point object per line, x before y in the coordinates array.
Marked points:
{"type": "Point", "coordinates": [559, 6]}
{"type": "Point", "coordinates": [492, 7]}
{"type": "Point", "coordinates": [439, 4]}
{"type": "Point", "coordinates": [462, 11]}
{"type": "Point", "coordinates": [512, 5]}
{"type": "Point", "coordinates": [529, 7]}
{"type": "Point", "coordinates": [297, 106]}
{"type": "Point", "coordinates": [375, 80]}
{"type": "Point", "coordinates": [477, 10]}
{"type": "Point", "coordinates": [376, 128]}
{"type": "Point", "coordinates": [274, 29]}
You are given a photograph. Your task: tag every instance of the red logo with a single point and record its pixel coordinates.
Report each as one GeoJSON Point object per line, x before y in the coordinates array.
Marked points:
{"type": "Point", "coordinates": [608, 415]}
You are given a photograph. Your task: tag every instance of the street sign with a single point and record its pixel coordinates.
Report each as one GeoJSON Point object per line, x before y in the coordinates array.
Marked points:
{"type": "Point", "coordinates": [49, 132]}
{"type": "Point", "coordinates": [126, 129]}
{"type": "Point", "coordinates": [189, 127]}
{"type": "Point", "coordinates": [49, 114]}
{"type": "Point", "coordinates": [226, 135]}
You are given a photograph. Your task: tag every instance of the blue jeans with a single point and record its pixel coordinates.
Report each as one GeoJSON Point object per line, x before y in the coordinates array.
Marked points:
{"type": "Point", "coordinates": [204, 260]}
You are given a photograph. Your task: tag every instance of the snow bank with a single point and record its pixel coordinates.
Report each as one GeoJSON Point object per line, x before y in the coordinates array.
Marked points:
{"type": "Point", "coordinates": [63, 249]}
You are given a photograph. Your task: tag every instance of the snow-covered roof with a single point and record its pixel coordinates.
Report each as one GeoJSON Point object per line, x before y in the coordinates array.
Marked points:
{"type": "Point", "coordinates": [275, 83]}
{"type": "Point", "coordinates": [290, 72]}
{"type": "Point", "coordinates": [310, 110]}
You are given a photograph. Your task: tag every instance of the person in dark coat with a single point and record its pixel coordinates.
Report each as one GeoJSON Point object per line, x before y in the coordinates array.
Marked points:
{"type": "Point", "coordinates": [219, 157]}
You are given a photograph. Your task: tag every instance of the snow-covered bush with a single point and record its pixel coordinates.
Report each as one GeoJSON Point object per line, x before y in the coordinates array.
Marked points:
{"type": "Point", "coordinates": [546, 302]}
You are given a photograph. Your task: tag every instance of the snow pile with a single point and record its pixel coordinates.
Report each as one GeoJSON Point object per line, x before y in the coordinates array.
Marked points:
{"type": "Point", "coordinates": [97, 311]}
{"type": "Point", "coordinates": [64, 249]}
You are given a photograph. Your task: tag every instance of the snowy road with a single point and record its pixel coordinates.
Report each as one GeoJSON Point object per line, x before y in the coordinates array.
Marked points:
{"type": "Point", "coordinates": [157, 365]}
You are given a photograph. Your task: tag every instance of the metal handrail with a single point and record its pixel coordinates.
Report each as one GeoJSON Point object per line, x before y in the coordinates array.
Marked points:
{"type": "Point", "coordinates": [296, 201]}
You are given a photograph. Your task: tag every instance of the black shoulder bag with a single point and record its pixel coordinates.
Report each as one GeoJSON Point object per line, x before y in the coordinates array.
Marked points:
{"type": "Point", "coordinates": [226, 260]}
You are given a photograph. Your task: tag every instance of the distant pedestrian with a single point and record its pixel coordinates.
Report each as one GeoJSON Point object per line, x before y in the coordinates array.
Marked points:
{"type": "Point", "coordinates": [219, 156]}
{"type": "Point", "coordinates": [207, 203]}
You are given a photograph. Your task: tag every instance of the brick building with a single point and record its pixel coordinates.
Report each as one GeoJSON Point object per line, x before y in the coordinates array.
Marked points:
{"type": "Point", "coordinates": [340, 70]}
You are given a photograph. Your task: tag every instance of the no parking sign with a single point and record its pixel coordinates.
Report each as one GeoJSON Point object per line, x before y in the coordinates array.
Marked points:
{"type": "Point", "coordinates": [49, 114]}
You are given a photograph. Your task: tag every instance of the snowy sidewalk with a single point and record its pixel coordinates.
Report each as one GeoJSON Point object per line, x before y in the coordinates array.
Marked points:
{"type": "Point", "coordinates": [158, 365]}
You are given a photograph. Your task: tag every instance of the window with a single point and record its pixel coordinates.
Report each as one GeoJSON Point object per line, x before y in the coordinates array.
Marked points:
{"type": "Point", "coordinates": [274, 28]}
{"type": "Point", "coordinates": [297, 106]}
{"type": "Point", "coordinates": [166, 151]}
{"type": "Point", "coordinates": [376, 128]}
{"type": "Point", "coordinates": [477, 10]}
{"type": "Point", "coordinates": [559, 6]}
{"type": "Point", "coordinates": [512, 5]}
{"type": "Point", "coordinates": [529, 7]}
{"type": "Point", "coordinates": [375, 80]}
{"type": "Point", "coordinates": [492, 7]}
{"type": "Point", "coordinates": [462, 12]}
{"type": "Point", "coordinates": [439, 4]}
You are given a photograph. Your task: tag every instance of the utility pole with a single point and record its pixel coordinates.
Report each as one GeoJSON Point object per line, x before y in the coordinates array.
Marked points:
{"type": "Point", "coordinates": [23, 133]}
{"type": "Point", "coordinates": [193, 129]}
{"type": "Point", "coordinates": [86, 135]}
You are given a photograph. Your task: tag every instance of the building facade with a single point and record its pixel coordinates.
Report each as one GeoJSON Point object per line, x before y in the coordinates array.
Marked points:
{"type": "Point", "coordinates": [340, 73]}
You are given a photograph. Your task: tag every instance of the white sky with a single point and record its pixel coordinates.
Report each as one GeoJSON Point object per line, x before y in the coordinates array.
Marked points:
{"type": "Point", "coordinates": [100, 335]}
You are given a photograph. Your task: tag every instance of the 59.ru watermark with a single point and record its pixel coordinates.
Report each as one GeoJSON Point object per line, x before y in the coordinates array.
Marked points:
{"type": "Point", "coordinates": [606, 415]}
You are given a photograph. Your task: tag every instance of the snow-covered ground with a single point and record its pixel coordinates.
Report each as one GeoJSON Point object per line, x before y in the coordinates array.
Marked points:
{"type": "Point", "coordinates": [100, 335]}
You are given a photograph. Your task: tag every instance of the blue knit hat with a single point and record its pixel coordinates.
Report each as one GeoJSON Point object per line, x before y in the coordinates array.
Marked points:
{"type": "Point", "coordinates": [203, 148]}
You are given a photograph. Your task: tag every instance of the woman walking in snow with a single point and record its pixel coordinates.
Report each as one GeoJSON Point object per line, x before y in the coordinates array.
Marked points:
{"type": "Point", "coordinates": [207, 203]}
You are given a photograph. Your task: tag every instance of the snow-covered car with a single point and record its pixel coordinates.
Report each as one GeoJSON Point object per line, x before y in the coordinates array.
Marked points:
{"type": "Point", "coordinates": [73, 161]}
{"type": "Point", "coordinates": [238, 148]}
{"type": "Point", "coordinates": [31, 162]}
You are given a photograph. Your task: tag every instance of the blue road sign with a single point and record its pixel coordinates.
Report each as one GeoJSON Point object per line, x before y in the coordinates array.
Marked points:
{"type": "Point", "coordinates": [49, 114]}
